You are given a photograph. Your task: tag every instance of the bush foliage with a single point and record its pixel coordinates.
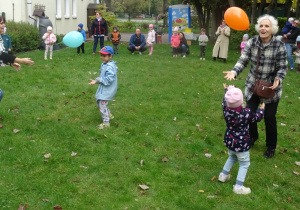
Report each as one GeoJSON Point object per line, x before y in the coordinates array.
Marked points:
{"type": "Point", "coordinates": [236, 37]}
{"type": "Point", "coordinates": [24, 36]}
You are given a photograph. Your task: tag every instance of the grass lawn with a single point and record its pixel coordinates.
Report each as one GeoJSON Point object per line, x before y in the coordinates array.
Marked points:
{"type": "Point", "coordinates": [54, 109]}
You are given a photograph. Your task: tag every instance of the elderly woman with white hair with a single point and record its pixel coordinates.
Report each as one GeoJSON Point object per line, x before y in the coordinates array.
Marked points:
{"type": "Point", "coordinates": [271, 68]}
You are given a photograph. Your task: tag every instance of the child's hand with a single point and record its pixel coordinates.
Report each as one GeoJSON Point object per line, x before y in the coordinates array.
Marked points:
{"type": "Point", "coordinates": [92, 82]}
{"type": "Point", "coordinates": [294, 53]}
{"type": "Point", "coordinates": [262, 106]}
{"type": "Point", "coordinates": [225, 86]}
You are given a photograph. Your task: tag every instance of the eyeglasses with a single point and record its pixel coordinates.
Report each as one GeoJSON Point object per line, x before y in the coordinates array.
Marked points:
{"type": "Point", "coordinates": [2, 23]}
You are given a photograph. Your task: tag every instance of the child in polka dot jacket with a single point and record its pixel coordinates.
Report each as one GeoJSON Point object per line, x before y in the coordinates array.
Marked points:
{"type": "Point", "coordinates": [236, 137]}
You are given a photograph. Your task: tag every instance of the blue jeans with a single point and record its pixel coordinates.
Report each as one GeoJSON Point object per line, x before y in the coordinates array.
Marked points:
{"type": "Point", "coordinates": [96, 37]}
{"type": "Point", "coordinates": [1, 95]}
{"type": "Point", "coordinates": [289, 54]}
{"type": "Point", "coordinates": [244, 161]}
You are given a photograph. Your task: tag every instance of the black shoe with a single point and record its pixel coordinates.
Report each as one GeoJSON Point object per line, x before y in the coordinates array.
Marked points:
{"type": "Point", "coordinates": [224, 60]}
{"type": "Point", "coordinates": [214, 59]}
{"type": "Point", "coordinates": [269, 153]}
{"type": "Point", "coordinates": [252, 141]}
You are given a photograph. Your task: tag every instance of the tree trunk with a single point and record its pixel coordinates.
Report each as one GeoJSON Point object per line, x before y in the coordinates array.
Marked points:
{"type": "Point", "coordinates": [287, 8]}
{"type": "Point", "coordinates": [271, 6]}
{"type": "Point", "coordinates": [261, 7]}
{"type": "Point", "coordinates": [297, 9]}
{"type": "Point", "coordinates": [108, 4]}
{"type": "Point", "coordinates": [165, 10]}
{"type": "Point", "coordinates": [253, 13]}
{"type": "Point", "coordinates": [215, 21]}
{"type": "Point", "coordinates": [275, 5]}
{"type": "Point", "coordinates": [231, 3]}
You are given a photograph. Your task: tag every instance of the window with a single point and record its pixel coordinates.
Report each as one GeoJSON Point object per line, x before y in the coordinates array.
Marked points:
{"type": "Point", "coordinates": [67, 9]}
{"type": "Point", "coordinates": [74, 8]}
{"type": "Point", "coordinates": [58, 9]}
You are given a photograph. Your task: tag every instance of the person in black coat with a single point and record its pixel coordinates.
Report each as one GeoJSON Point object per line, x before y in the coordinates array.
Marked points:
{"type": "Point", "coordinates": [99, 30]}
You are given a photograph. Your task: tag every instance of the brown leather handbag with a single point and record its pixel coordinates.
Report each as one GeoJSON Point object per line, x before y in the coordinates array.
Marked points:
{"type": "Point", "coordinates": [262, 88]}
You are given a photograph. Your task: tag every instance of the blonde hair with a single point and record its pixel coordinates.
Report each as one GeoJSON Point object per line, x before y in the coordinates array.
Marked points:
{"type": "Point", "coordinates": [273, 21]}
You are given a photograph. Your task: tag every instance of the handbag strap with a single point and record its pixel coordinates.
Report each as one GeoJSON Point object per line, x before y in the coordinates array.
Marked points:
{"type": "Point", "coordinates": [257, 63]}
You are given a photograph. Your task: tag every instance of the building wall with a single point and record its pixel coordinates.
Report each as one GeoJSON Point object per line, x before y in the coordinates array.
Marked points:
{"type": "Point", "coordinates": [63, 22]}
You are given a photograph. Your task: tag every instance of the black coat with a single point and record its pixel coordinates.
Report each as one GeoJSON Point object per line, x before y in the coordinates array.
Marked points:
{"type": "Point", "coordinates": [99, 27]}
{"type": "Point", "coordinates": [293, 36]}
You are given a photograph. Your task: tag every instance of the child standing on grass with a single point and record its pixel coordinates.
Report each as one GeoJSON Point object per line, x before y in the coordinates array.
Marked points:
{"type": "Point", "coordinates": [159, 34]}
{"type": "Point", "coordinates": [175, 42]}
{"type": "Point", "coordinates": [203, 39]}
{"type": "Point", "coordinates": [115, 38]}
{"type": "Point", "coordinates": [237, 138]}
{"type": "Point", "coordinates": [297, 53]}
{"type": "Point", "coordinates": [80, 29]}
{"type": "Point", "coordinates": [244, 42]}
{"type": "Point", "coordinates": [107, 85]}
{"type": "Point", "coordinates": [49, 39]}
{"type": "Point", "coordinates": [150, 38]}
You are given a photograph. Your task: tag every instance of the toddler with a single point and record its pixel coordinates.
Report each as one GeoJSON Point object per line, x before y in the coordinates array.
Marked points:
{"type": "Point", "coordinates": [159, 34]}
{"type": "Point", "coordinates": [237, 138]}
{"type": "Point", "coordinates": [49, 39]}
{"type": "Point", "coordinates": [244, 42]}
{"type": "Point", "coordinates": [150, 38]}
{"type": "Point", "coordinates": [175, 42]}
{"type": "Point", "coordinates": [115, 38]}
{"type": "Point", "coordinates": [203, 39]}
{"type": "Point", "coordinates": [80, 30]}
{"type": "Point", "coordinates": [108, 85]}
{"type": "Point", "coordinates": [288, 26]}
{"type": "Point", "coordinates": [297, 53]}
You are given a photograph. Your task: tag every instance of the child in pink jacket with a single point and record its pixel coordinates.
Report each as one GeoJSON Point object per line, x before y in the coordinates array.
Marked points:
{"type": "Point", "coordinates": [49, 39]}
{"type": "Point", "coordinates": [175, 42]}
{"type": "Point", "coordinates": [244, 42]}
{"type": "Point", "coordinates": [150, 38]}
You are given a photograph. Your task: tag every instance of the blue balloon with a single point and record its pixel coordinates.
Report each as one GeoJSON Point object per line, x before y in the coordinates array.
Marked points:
{"type": "Point", "coordinates": [73, 39]}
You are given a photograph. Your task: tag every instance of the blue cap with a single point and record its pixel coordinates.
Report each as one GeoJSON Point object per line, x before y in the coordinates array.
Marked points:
{"type": "Point", "coordinates": [80, 25]}
{"type": "Point", "coordinates": [106, 50]}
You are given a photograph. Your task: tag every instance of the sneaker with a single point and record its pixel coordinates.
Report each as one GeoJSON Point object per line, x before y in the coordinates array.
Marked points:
{"type": "Point", "coordinates": [292, 69]}
{"type": "Point", "coordinates": [223, 177]}
{"type": "Point", "coordinates": [132, 53]}
{"type": "Point", "coordinates": [269, 153]}
{"type": "Point", "coordinates": [204, 59]}
{"type": "Point", "coordinates": [200, 59]}
{"type": "Point", "coordinates": [183, 56]}
{"type": "Point", "coordinates": [140, 53]}
{"type": "Point", "coordinates": [45, 58]}
{"type": "Point", "coordinates": [103, 125]}
{"type": "Point", "coordinates": [241, 190]}
{"type": "Point", "coordinates": [111, 117]}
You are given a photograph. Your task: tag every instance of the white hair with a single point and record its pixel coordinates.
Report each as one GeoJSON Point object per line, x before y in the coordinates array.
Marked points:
{"type": "Point", "coordinates": [274, 23]}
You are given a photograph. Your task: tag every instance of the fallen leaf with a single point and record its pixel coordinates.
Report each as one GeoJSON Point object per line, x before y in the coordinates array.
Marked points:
{"type": "Point", "coordinates": [45, 200]}
{"type": "Point", "coordinates": [47, 155]}
{"type": "Point", "coordinates": [289, 198]}
{"type": "Point", "coordinates": [74, 106]}
{"type": "Point", "coordinates": [76, 180]}
{"type": "Point", "coordinates": [85, 167]}
{"type": "Point", "coordinates": [127, 157]}
{"type": "Point", "coordinates": [73, 154]}
{"type": "Point", "coordinates": [275, 185]}
{"type": "Point", "coordinates": [21, 207]}
{"type": "Point", "coordinates": [296, 173]}
{"type": "Point", "coordinates": [282, 124]}
{"type": "Point", "coordinates": [297, 163]}
{"type": "Point", "coordinates": [211, 196]}
{"type": "Point", "coordinates": [296, 149]}
{"type": "Point", "coordinates": [164, 159]}
{"type": "Point", "coordinates": [16, 130]}
{"type": "Point", "coordinates": [95, 73]}
{"type": "Point", "coordinates": [42, 105]}
{"type": "Point", "coordinates": [174, 118]}
{"type": "Point", "coordinates": [84, 131]}
{"type": "Point", "coordinates": [147, 134]}
{"type": "Point", "coordinates": [207, 155]}
{"type": "Point", "coordinates": [143, 187]}
{"type": "Point", "coordinates": [212, 179]}
{"type": "Point", "coordinates": [275, 166]}
{"type": "Point", "coordinates": [155, 149]}
{"type": "Point", "coordinates": [252, 197]}
{"type": "Point", "coordinates": [9, 148]}
{"type": "Point", "coordinates": [117, 124]}
{"type": "Point", "coordinates": [202, 191]}
{"type": "Point", "coordinates": [199, 128]}
{"type": "Point", "coordinates": [57, 207]}
{"type": "Point", "coordinates": [141, 162]}
{"type": "Point", "coordinates": [217, 192]}
{"type": "Point", "coordinates": [177, 137]}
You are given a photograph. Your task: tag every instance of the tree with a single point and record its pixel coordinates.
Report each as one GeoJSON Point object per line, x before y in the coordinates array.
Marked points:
{"type": "Point", "coordinates": [261, 7]}
{"type": "Point", "coordinates": [297, 9]}
{"type": "Point", "coordinates": [231, 3]}
{"type": "Point", "coordinates": [253, 12]}
{"type": "Point", "coordinates": [287, 8]}
{"type": "Point", "coordinates": [109, 17]}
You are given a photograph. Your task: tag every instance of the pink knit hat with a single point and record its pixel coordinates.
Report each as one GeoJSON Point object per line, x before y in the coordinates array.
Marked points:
{"type": "Point", "coordinates": [175, 29]}
{"type": "Point", "coordinates": [234, 97]}
{"type": "Point", "coordinates": [151, 26]}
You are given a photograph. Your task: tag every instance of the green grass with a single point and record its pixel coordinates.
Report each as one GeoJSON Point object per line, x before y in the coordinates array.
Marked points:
{"type": "Point", "coordinates": [54, 108]}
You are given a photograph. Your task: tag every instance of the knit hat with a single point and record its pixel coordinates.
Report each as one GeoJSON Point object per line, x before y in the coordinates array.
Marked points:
{"type": "Point", "coordinates": [246, 36]}
{"type": "Point", "coordinates": [176, 29]}
{"type": "Point", "coordinates": [151, 26]}
{"type": "Point", "coordinates": [291, 19]}
{"type": "Point", "coordinates": [49, 28]}
{"type": "Point", "coordinates": [234, 97]}
{"type": "Point", "coordinates": [80, 25]}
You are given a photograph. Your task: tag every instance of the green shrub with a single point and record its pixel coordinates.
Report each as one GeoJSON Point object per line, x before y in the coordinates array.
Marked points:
{"type": "Point", "coordinates": [145, 25]}
{"type": "Point", "coordinates": [119, 26]}
{"type": "Point", "coordinates": [129, 24]}
{"type": "Point", "coordinates": [281, 22]}
{"type": "Point", "coordinates": [59, 39]}
{"type": "Point", "coordinates": [236, 37]}
{"type": "Point", "coordinates": [24, 36]}
{"type": "Point", "coordinates": [194, 22]}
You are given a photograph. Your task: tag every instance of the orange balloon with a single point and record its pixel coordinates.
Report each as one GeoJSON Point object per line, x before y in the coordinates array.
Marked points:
{"type": "Point", "coordinates": [236, 18]}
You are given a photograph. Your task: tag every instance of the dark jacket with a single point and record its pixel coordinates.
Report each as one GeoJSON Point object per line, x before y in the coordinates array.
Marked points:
{"type": "Point", "coordinates": [184, 42]}
{"type": "Point", "coordinates": [5, 57]}
{"type": "Point", "coordinates": [132, 40]}
{"type": "Point", "coordinates": [237, 120]}
{"type": "Point", "coordinates": [293, 36]}
{"type": "Point", "coordinates": [99, 27]}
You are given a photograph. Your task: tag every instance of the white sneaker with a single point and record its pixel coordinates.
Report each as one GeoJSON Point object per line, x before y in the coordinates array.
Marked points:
{"type": "Point", "coordinates": [242, 190]}
{"type": "Point", "coordinates": [183, 56]}
{"type": "Point", "coordinates": [200, 59]}
{"type": "Point", "coordinates": [103, 125]}
{"type": "Point", "coordinates": [140, 53]}
{"type": "Point", "coordinates": [132, 53]}
{"type": "Point", "coordinates": [204, 59]}
{"type": "Point", "coordinates": [223, 177]}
